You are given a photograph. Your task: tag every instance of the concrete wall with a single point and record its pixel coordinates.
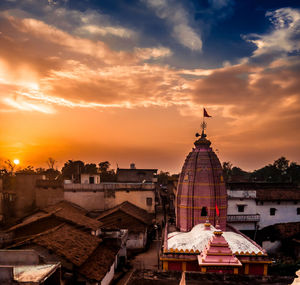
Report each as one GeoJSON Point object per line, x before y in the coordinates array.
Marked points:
{"type": "Point", "coordinates": [6, 275]}
{"type": "Point", "coordinates": [48, 196]}
{"type": "Point", "coordinates": [138, 198]}
{"type": "Point", "coordinates": [18, 257]}
{"type": "Point", "coordinates": [89, 200]}
{"type": "Point", "coordinates": [286, 212]}
{"type": "Point", "coordinates": [25, 193]}
{"type": "Point", "coordinates": [104, 196]}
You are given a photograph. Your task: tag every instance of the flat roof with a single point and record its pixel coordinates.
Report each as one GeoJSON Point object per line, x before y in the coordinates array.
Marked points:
{"type": "Point", "coordinates": [34, 273]}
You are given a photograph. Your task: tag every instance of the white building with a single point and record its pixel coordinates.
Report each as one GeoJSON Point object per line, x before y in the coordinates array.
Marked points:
{"type": "Point", "coordinates": [252, 205]}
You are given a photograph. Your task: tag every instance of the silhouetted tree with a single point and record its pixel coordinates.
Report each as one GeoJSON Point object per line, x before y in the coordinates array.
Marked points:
{"type": "Point", "coordinates": [90, 168]}
{"type": "Point", "coordinates": [227, 170]}
{"type": "Point", "coordinates": [163, 177]}
{"type": "Point", "coordinates": [106, 174]}
{"type": "Point", "coordinates": [72, 170]}
{"type": "Point", "coordinates": [51, 162]}
{"type": "Point", "coordinates": [27, 170]}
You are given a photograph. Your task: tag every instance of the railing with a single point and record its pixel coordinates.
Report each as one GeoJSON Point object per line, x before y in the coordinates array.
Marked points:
{"type": "Point", "coordinates": [243, 218]}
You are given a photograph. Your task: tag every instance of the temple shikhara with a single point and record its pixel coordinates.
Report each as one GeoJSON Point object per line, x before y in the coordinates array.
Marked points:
{"type": "Point", "coordinates": [202, 240]}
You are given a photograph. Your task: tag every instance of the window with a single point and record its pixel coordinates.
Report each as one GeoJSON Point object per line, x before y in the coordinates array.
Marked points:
{"type": "Point", "coordinates": [241, 208]}
{"type": "Point", "coordinates": [204, 212]}
{"type": "Point", "coordinates": [298, 211]}
{"type": "Point", "coordinates": [272, 211]}
{"type": "Point", "coordinates": [92, 179]}
{"type": "Point", "coordinates": [149, 201]}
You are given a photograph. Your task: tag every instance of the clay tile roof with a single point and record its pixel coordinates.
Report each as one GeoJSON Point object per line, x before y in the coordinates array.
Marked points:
{"type": "Point", "coordinates": [131, 210]}
{"type": "Point", "coordinates": [99, 263]}
{"type": "Point", "coordinates": [34, 218]}
{"type": "Point", "coordinates": [74, 214]}
{"type": "Point", "coordinates": [68, 242]}
{"type": "Point", "coordinates": [277, 194]}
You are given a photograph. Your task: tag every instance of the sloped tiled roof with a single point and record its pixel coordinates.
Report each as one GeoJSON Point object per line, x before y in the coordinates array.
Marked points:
{"type": "Point", "coordinates": [33, 219]}
{"type": "Point", "coordinates": [99, 263]}
{"type": "Point", "coordinates": [278, 194]}
{"type": "Point", "coordinates": [74, 214]}
{"type": "Point", "coordinates": [66, 241]}
{"type": "Point", "coordinates": [130, 209]}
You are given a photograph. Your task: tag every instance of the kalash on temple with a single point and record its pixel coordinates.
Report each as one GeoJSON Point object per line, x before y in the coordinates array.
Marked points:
{"type": "Point", "coordinates": [202, 240]}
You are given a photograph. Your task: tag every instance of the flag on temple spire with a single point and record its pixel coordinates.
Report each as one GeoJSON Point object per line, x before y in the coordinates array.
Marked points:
{"type": "Point", "coordinates": [205, 114]}
{"type": "Point", "coordinates": [217, 210]}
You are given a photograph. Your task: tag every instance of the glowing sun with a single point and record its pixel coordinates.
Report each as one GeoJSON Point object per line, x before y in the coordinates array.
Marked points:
{"type": "Point", "coordinates": [16, 161]}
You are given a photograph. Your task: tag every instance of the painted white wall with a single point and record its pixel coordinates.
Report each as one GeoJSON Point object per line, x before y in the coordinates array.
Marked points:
{"type": "Point", "coordinates": [246, 198]}
{"type": "Point", "coordinates": [109, 275]}
{"type": "Point", "coordinates": [249, 209]}
{"type": "Point", "coordinates": [85, 178]}
{"type": "Point", "coordinates": [286, 212]}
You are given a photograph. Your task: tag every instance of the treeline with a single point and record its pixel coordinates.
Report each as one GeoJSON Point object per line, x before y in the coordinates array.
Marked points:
{"type": "Point", "coordinates": [71, 170]}
{"type": "Point", "coordinates": [281, 171]}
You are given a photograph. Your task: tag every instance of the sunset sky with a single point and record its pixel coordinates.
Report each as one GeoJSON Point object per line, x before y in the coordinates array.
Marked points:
{"type": "Point", "coordinates": [126, 81]}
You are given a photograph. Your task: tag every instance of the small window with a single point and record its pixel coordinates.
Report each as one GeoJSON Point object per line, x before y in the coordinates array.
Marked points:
{"type": "Point", "coordinates": [149, 201]}
{"type": "Point", "coordinates": [298, 211]}
{"type": "Point", "coordinates": [91, 179]}
{"type": "Point", "coordinates": [204, 212]}
{"type": "Point", "coordinates": [272, 211]}
{"type": "Point", "coordinates": [241, 208]}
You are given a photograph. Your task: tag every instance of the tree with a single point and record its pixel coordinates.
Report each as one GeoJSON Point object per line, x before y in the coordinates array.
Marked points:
{"type": "Point", "coordinates": [163, 177]}
{"type": "Point", "coordinates": [227, 170]}
{"type": "Point", "coordinates": [27, 170]}
{"type": "Point", "coordinates": [104, 166]}
{"type": "Point", "coordinates": [106, 174]}
{"type": "Point", "coordinates": [51, 162]}
{"type": "Point", "coordinates": [10, 164]}
{"type": "Point", "coordinates": [72, 170]}
{"type": "Point", "coordinates": [90, 168]}
{"type": "Point", "coordinates": [293, 172]}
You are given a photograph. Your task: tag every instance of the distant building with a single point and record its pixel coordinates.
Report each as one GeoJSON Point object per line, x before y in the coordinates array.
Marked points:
{"type": "Point", "coordinates": [134, 175]}
{"type": "Point", "coordinates": [90, 178]}
{"type": "Point", "coordinates": [136, 186]}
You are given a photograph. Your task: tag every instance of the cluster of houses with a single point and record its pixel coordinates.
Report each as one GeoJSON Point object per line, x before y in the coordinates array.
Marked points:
{"type": "Point", "coordinates": [82, 232]}
{"type": "Point", "coordinates": [74, 238]}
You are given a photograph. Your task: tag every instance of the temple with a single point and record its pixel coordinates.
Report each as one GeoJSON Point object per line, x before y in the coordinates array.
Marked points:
{"type": "Point", "coordinates": [201, 191]}
{"type": "Point", "coordinates": [202, 240]}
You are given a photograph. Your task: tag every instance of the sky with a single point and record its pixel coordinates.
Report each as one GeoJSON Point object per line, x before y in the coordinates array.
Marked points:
{"type": "Point", "coordinates": [126, 81]}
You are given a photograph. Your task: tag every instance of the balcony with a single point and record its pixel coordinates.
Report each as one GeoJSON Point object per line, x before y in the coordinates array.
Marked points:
{"type": "Point", "coordinates": [243, 218]}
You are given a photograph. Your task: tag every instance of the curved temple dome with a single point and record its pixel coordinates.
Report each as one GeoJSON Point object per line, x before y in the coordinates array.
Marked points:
{"type": "Point", "coordinates": [201, 191]}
